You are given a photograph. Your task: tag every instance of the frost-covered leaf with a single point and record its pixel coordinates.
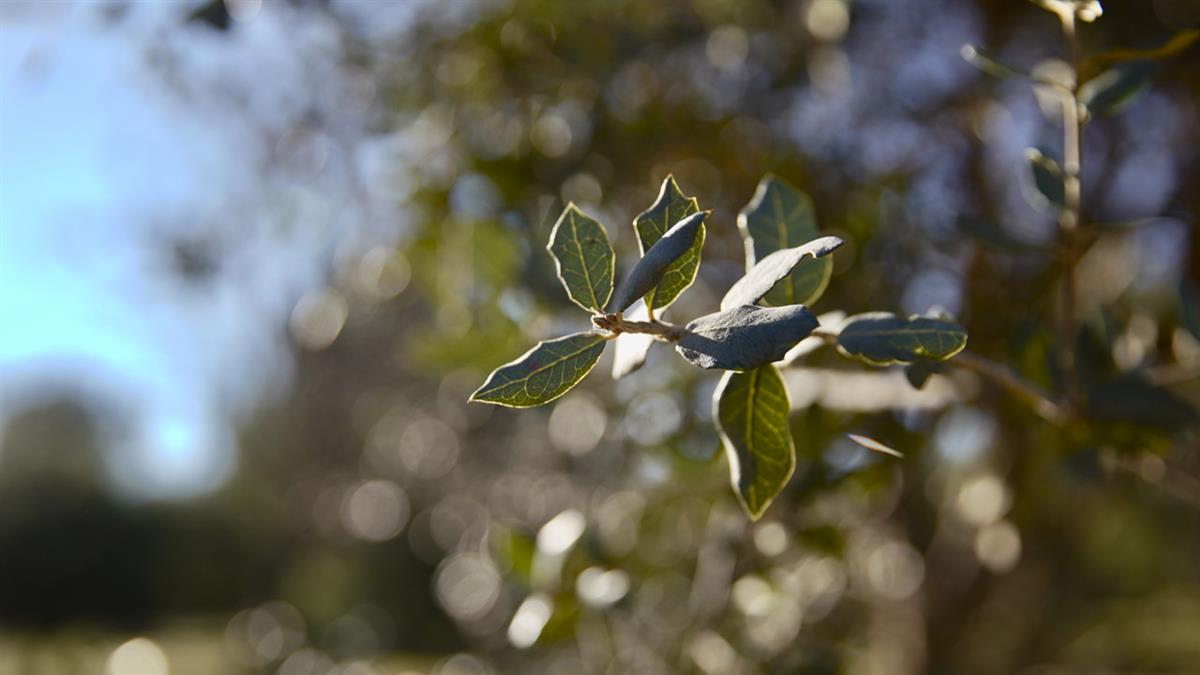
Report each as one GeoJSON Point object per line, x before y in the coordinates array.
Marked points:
{"type": "Point", "coordinates": [671, 207]}
{"type": "Point", "coordinates": [881, 338]}
{"type": "Point", "coordinates": [650, 270]}
{"type": "Point", "coordinates": [584, 258]}
{"type": "Point", "coordinates": [632, 348]}
{"type": "Point", "coordinates": [779, 216]}
{"type": "Point", "coordinates": [745, 337]}
{"type": "Point", "coordinates": [543, 373]}
{"type": "Point", "coordinates": [751, 413]}
{"type": "Point", "coordinates": [772, 270]}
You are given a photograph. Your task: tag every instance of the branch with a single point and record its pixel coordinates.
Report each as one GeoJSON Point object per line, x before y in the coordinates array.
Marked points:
{"type": "Point", "coordinates": [615, 324]}
{"type": "Point", "coordinates": [1006, 378]}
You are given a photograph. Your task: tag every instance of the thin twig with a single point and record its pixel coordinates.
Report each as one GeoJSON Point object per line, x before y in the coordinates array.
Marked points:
{"type": "Point", "coordinates": [1006, 378]}
{"type": "Point", "coordinates": [615, 324]}
{"type": "Point", "coordinates": [1070, 218]}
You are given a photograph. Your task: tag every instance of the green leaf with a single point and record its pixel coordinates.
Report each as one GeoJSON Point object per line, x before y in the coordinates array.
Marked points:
{"type": "Point", "coordinates": [653, 266]}
{"type": "Point", "coordinates": [987, 63]}
{"type": "Point", "coordinates": [632, 348]}
{"type": "Point", "coordinates": [882, 338]}
{"type": "Point", "coordinates": [751, 414]}
{"type": "Point", "coordinates": [671, 207]}
{"type": "Point", "coordinates": [543, 373]}
{"type": "Point", "coordinates": [772, 270]}
{"type": "Point", "coordinates": [1094, 65]}
{"type": "Point", "coordinates": [918, 373]}
{"type": "Point", "coordinates": [745, 337]}
{"type": "Point", "coordinates": [779, 216]}
{"type": "Point", "coordinates": [584, 258]}
{"type": "Point", "coordinates": [1113, 89]}
{"type": "Point", "coordinates": [1046, 179]}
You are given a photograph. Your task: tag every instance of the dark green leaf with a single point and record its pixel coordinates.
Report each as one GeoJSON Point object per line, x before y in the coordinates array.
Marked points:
{"type": "Point", "coordinates": [632, 348]}
{"type": "Point", "coordinates": [1112, 89]}
{"type": "Point", "coordinates": [881, 338]}
{"type": "Point", "coordinates": [779, 216]}
{"type": "Point", "coordinates": [671, 207]}
{"type": "Point", "coordinates": [919, 372]}
{"type": "Point", "coordinates": [584, 258]}
{"type": "Point", "coordinates": [986, 63]}
{"type": "Point", "coordinates": [745, 337]}
{"type": "Point", "coordinates": [1047, 180]}
{"type": "Point", "coordinates": [751, 413]}
{"type": "Point", "coordinates": [543, 373]}
{"type": "Point", "coordinates": [771, 270]}
{"type": "Point", "coordinates": [1130, 399]}
{"type": "Point", "coordinates": [872, 444]}
{"type": "Point", "coordinates": [649, 271]}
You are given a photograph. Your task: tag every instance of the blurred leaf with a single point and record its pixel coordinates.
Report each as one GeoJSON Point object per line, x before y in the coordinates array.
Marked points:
{"type": "Point", "coordinates": [1129, 398]}
{"type": "Point", "coordinates": [514, 550]}
{"type": "Point", "coordinates": [542, 374]}
{"type": "Point", "coordinates": [1094, 65]}
{"type": "Point", "coordinates": [751, 413]}
{"type": "Point", "coordinates": [986, 63]}
{"type": "Point", "coordinates": [918, 373]}
{"type": "Point", "coordinates": [991, 232]}
{"type": "Point", "coordinates": [779, 216]}
{"type": "Point", "coordinates": [872, 444]}
{"type": "Point", "coordinates": [1111, 90]}
{"type": "Point", "coordinates": [1047, 180]}
{"type": "Point", "coordinates": [881, 338]}
{"type": "Point", "coordinates": [771, 270]}
{"type": "Point", "coordinates": [632, 348]}
{"type": "Point", "coordinates": [652, 267]}
{"type": "Point", "coordinates": [671, 207]}
{"type": "Point", "coordinates": [584, 258]}
{"type": "Point", "coordinates": [745, 337]}
{"type": "Point", "coordinates": [1189, 308]}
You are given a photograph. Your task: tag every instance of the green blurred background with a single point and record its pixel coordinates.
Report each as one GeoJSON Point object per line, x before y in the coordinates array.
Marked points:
{"type": "Point", "coordinates": [255, 256]}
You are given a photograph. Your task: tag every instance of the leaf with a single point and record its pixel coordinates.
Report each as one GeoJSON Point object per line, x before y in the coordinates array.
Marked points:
{"type": "Point", "coordinates": [751, 414]}
{"type": "Point", "coordinates": [543, 373]}
{"type": "Point", "coordinates": [583, 257]}
{"type": "Point", "coordinates": [872, 444]}
{"type": "Point", "coordinates": [779, 216]}
{"type": "Point", "coordinates": [1046, 179]}
{"type": "Point", "coordinates": [882, 338]}
{"type": "Point", "coordinates": [772, 269]}
{"type": "Point", "coordinates": [1113, 89]}
{"type": "Point", "coordinates": [1094, 65]}
{"type": "Point", "coordinates": [671, 207]}
{"type": "Point", "coordinates": [918, 373]}
{"type": "Point", "coordinates": [987, 63]}
{"type": "Point", "coordinates": [993, 233]}
{"type": "Point", "coordinates": [649, 271]}
{"type": "Point", "coordinates": [632, 348]}
{"type": "Point", "coordinates": [745, 337]}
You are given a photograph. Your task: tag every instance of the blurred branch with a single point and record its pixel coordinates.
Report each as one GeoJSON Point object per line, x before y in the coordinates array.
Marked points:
{"type": "Point", "coordinates": [1039, 400]}
{"type": "Point", "coordinates": [1071, 216]}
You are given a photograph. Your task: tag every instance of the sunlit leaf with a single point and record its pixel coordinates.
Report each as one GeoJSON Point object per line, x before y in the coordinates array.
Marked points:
{"type": "Point", "coordinates": [751, 414]}
{"type": "Point", "coordinates": [652, 267]}
{"type": "Point", "coordinates": [772, 270]}
{"type": "Point", "coordinates": [544, 373]}
{"type": "Point", "coordinates": [779, 216]}
{"type": "Point", "coordinates": [584, 258]}
{"type": "Point", "coordinates": [1046, 180]}
{"type": "Point", "coordinates": [881, 338]}
{"type": "Point", "coordinates": [987, 63]}
{"type": "Point", "coordinates": [745, 337]}
{"type": "Point", "coordinates": [671, 207]}
{"type": "Point", "coordinates": [872, 444]}
{"type": "Point", "coordinates": [632, 348]}
{"type": "Point", "coordinates": [1113, 89]}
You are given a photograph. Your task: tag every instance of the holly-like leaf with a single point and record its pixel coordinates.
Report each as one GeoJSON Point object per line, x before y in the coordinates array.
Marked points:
{"type": "Point", "coordinates": [543, 373]}
{"type": "Point", "coordinates": [745, 337]}
{"type": "Point", "coordinates": [632, 348]}
{"type": "Point", "coordinates": [772, 270]}
{"type": "Point", "coordinates": [779, 216]}
{"type": "Point", "coordinates": [671, 207]}
{"type": "Point", "coordinates": [882, 338]}
{"type": "Point", "coordinates": [1110, 91]}
{"type": "Point", "coordinates": [652, 267]}
{"type": "Point", "coordinates": [751, 414]}
{"type": "Point", "coordinates": [584, 258]}
{"type": "Point", "coordinates": [1046, 179]}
